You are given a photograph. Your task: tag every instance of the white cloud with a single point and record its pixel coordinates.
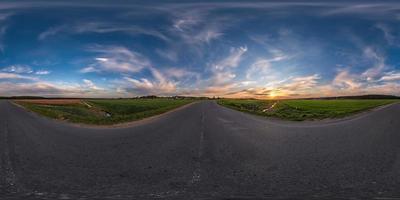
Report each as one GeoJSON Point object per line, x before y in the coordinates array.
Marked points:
{"type": "Point", "coordinates": [20, 69]}
{"type": "Point", "coordinates": [33, 89]}
{"type": "Point", "coordinates": [186, 20]}
{"type": "Point", "coordinates": [146, 87]}
{"type": "Point", "coordinates": [385, 10]}
{"type": "Point", "coordinates": [116, 59]}
{"type": "Point", "coordinates": [179, 73]}
{"type": "Point", "coordinates": [222, 70]}
{"type": "Point", "coordinates": [90, 85]}
{"type": "Point", "coordinates": [100, 27]}
{"type": "Point", "coordinates": [23, 69]}
{"type": "Point", "coordinates": [207, 35]}
{"type": "Point", "coordinates": [232, 60]}
{"type": "Point", "coordinates": [295, 87]}
{"type": "Point", "coordinates": [159, 86]}
{"type": "Point", "coordinates": [301, 84]}
{"type": "Point", "coordinates": [344, 80]}
{"type": "Point", "coordinates": [42, 72]}
{"type": "Point", "coordinates": [196, 37]}
{"type": "Point", "coordinates": [102, 59]}
{"type": "Point", "coordinates": [259, 68]}
{"type": "Point", "coordinates": [391, 76]}
{"type": "Point", "coordinates": [88, 70]}
{"type": "Point", "coordinates": [52, 31]}
{"type": "Point", "coordinates": [171, 55]}
{"type": "Point", "coordinates": [221, 78]}
{"type": "Point", "coordinates": [195, 27]}
{"type": "Point", "coordinates": [48, 89]}
{"type": "Point", "coordinates": [218, 90]}
{"type": "Point", "coordinates": [378, 64]}
{"type": "Point", "coordinates": [389, 88]}
{"type": "Point", "coordinates": [344, 83]}
{"type": "Point", "coordinates": [15, 76]}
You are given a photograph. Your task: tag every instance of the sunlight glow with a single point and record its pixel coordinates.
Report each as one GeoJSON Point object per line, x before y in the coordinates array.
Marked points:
{"type": "Point", "coordinates": [272, 94]}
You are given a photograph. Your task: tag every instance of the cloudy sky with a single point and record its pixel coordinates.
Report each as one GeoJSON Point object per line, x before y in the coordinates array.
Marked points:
{"type": "Point", "coordinates": [255, 49]}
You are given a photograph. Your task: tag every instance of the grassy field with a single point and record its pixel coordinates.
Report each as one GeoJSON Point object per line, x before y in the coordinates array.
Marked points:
{"type": "Point", "coordinates": [299, 110]}
{"type": "Point", "coordinates": [102, 112]}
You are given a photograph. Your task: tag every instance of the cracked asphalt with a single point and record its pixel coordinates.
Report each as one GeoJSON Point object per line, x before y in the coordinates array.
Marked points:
{"type": "Point", "coordinates": [203, 151]}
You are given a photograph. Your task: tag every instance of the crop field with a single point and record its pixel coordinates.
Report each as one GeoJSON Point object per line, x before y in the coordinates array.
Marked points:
{"type": "Point", "coordinates": [299, 110]}
{"type": "Point", "coordinates": [102, 111]}
{"type": "Point", "coordinates": [51, 101]}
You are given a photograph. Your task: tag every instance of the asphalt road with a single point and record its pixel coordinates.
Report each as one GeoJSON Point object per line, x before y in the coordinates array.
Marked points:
{"type": "Point", "coordinates": [203, 151]}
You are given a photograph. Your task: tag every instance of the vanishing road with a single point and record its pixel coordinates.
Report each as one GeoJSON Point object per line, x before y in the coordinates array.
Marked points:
{"type": "Point", "coordinates": [202, 151]}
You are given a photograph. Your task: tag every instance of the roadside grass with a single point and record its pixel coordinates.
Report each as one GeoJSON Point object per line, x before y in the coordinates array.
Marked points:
{"type": "Point", "coordinates": [104, 111]}
{"type": "Point", "coordinates": [300, 110]}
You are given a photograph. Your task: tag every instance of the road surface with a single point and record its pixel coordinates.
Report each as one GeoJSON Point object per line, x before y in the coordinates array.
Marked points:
{"type": "Point", "coordinates": [203, 151]}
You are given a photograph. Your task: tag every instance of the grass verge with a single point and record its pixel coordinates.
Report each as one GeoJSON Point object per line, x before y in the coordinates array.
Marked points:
{"type": "Point", "coordinates": [104, 111]}
{"type": "Point", "coordinates": [300, 110]}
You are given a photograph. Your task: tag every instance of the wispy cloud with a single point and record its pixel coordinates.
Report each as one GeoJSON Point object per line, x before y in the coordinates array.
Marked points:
{"type": "Point", "coordinates": [259, 68]}
{"type": "Point", "coordinates": [222, 75]}
{"type": "Point", "coordinates": [184, 23]}
{"type": "Point", "coordinates": [194, 26]}
{"type": "Point", "coordinates": [347, 83]}
{"type": "Point", "coordinates": [38, 87]}
{"type": "Point", "coordinates": [378, 64]}
{"type": "Point", "coordinates": [89, 69]}
{"type": "Point", "coordinates": [344, 80]}
{"type": "Point", "coordinates": [52, 31]}
{"type": "Point", "coordinates": [301, 84]}
{"type": "Point", "coordinates": [15, 89]}
{"type": "Point", "coordinates": [222, 70]}
{"type": "Point", "coordinates": [116, 59]}
{"type": "Point", "coordinates": [232, 60]}
{"type": "Point", "coordinates": [24, 69]}
{"type": "Point", "coordinates": [387, 33]}
{"type": "Point", "coordinates": [15, 76]}
{"type": "Point", "coordinates": [179, 73]}
{"type": "Point", "coordinates": [391, 76]}
{"type": "Point", "coordinates": [262, 66]}
{"type": "Point", "coordinates": [206, 36]}
{"type": "Point", "coordinates": [100, 27]}
{"type": "Point", "coordinates": [88, 84]}
{"type": "Point", "coordinates": [19, 69]}
{"type": "Point", "coordinates": [366, 10]}
{"type": "Point", "coordinates": [170, 54]}
{"type": "Point", "coordinates": [158, 86]}
{"type": "Point", "coordinates": [4, 16]}
{"type": "Point", "coordinates": [42, 88]}
{"type": "Point", "coordinates": [42, 72]}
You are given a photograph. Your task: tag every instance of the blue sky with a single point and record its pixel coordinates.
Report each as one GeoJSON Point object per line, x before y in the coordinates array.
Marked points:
{"type": "Point", "coordinates": [260, 49]}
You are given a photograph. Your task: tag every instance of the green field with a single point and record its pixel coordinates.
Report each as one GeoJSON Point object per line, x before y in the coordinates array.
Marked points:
{"type": "Point", "coordinates": [299, 110]}
{"type": "Point", "coordinates": [105, 112]}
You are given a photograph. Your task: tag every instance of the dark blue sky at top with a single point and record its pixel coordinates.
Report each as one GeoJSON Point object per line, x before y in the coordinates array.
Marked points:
{"type": "Point", "coordinates": [226, 48]}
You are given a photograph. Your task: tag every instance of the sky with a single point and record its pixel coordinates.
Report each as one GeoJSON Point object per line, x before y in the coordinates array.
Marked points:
{"type": "Point", "coordinates": [237, 49]}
